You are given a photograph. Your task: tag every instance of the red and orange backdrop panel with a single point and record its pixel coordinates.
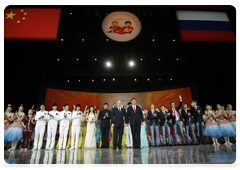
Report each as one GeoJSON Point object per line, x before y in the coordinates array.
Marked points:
{"type": "Point", "coordinates": [164, 97]}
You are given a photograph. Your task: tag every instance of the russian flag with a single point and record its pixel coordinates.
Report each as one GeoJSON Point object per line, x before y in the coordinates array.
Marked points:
{"type": "Point", "coordinates": [205, 26]}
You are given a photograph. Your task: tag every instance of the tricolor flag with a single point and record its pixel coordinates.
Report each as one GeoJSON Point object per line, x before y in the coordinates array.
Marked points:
{"type": "Point", "coordinates": [31, 23]}
{"type": "Point", "coordinates": [205, 26]}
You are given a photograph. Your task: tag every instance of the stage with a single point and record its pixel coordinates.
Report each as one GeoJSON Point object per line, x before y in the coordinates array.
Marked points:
{"type": "Point", "coordinates": [190, 154]}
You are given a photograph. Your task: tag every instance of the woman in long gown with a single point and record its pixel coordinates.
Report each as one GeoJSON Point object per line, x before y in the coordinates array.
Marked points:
{"type": "Point", "coordinates": [90, 140]}
{"type": "Point", "coordinates": [232, 116]}
{"type": "Point", "coordinates": [82, 131]}
{"type": "Point", "coordinates": [143, 134]}
{"type": "Point", "coordinates": [98, 131]}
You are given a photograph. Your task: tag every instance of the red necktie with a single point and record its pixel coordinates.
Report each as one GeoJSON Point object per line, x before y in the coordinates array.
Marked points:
{"type": "Point", "coordinates": [134, 109]}
{"type": "Point", "coordinates": [175, 114]}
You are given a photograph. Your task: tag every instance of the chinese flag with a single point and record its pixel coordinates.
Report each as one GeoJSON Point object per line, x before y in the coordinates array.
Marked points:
{"type": "Point", "coordinates": [31, 23]}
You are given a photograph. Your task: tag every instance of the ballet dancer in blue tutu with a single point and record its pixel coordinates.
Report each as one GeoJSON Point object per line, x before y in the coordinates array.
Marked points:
{"type": "Point", "coordinates": [224, 125]}
{"type": "Point", "coordinates": [211, 126]}
{"type": "Point", "coordinates": [232, 116]}
{"type": "Point", "coordinates": [15, 131]}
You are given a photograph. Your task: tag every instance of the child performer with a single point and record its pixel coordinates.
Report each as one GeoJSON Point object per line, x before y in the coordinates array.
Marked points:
{"type": "Point", "coordinates": [41, 117]}
{"type": "Point", "coordinates": [76, 126]}
{"type": "Point", "coordinates": [65, 117]}
{"type": "Point", "coordinates": [231, 116]}
{"type": "Point", "coordinates": [8, 117]}
{"type": "Point", "coordinates": [28, 124]}
{"type": "Point", "coordinates": [53, 118]}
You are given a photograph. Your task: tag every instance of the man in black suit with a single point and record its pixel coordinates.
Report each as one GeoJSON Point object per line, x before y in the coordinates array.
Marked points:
{"type": "Point", "coordinates": [117, 118]}
{"type": "Point", "coordinates": [136, 119]}
{"type": "Point", "coordinates": [177, 120]}
{"type": "Point", "coordinates": [105, 116]}
{"type": "Point", "coordinates": [188, 123]}
{"type": "Point", "coordinates": [164, 117]}
{"type": "Point", "coordinates": [152, 116]}
{"type": "Point", "coordinates": [198, 119]}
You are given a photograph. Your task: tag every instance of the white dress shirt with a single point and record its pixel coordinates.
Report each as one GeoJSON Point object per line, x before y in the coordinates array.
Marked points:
{"type": "Point", "coordinates": [42, 121]}
{"type": "Point", "coordinates": [76, 118]}
{"type": "Point", "coordinates": [65, 121]}
{"type": "Point", "coordinates": [53, 121]}
{"type": "Point", "coordinates": [177, 114]}
{"type": "Point", "coordinates": [134, 106]}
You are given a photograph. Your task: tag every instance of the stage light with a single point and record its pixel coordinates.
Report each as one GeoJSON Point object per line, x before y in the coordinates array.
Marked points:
{"type": "Point", "coordinates": [104, 79]}
{"type": "Point", "coordinates": [170, 79]}
{"type": "Point", "coordinates": [159, 59]}
{"type": "Point", "coordinates": [68, 81]}
{"type": "Point", "coordinates": [113, 79]}
{"type": "Point", "coordinates": [95, 13]}
{"type": "Point", "coordinates": [95, 59]}
{"type": "Point", "coordinates": [70, 13]}
{"type": "Point", "coordinates": [135, 79]}
{"type": "Point", "coordinates": [106, 39]}
{"type": "Point", "coordinates": [177, 59]}
{"type": "Point", "coordinates": [58, 59]}
{"type": "Point", "coordinates": [141, 59]}
{"type": "Point", "coordinates": [159, 79]}
{"type": "Point", "coordinates": [77, 59]}
{"type": "Point", "coordinates": [61, 39]}
{"type": "Point", "coordinates": [82, 39]}
{"type": "Point", "coordinates": [92, 80]}
{"type": "Point", "coordinates": [148, 79]}
{"type": "Point", "coordinates": [131, 63]}
{"type": "Point", "coordinates": [108, 64]}
{"type": "Point", "coordinates": [153, 40]}
{"type": "Point", "coordinates": [173, 39]}
{"type": "Point", "coordinates": [79, 80]}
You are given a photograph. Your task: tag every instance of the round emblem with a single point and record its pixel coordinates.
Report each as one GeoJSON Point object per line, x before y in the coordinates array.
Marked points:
{"type": "Point", "coordinates": [121, 26]}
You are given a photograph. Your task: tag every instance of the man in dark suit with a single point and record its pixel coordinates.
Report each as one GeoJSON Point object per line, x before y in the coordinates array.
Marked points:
{"type": "Point", "coordinates": [105, 116]}
{"type": "Point", "coordinates": [177, 120]}
{"type": "Point", "coordinates": [198, 119]}
{"type": "Point", "coordinates": [164, 123]}
{"type": "Point", "coordinates": [117, 118]}
{"type": "Point", "coordinates": [136, 119]}
{"type": "Point", "coordinates": [152, 116]}
{"type": "Point", "coordinates": [188, 123]}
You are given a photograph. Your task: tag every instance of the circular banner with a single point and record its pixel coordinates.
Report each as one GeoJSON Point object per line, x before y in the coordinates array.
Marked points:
{"type": "Point", "coordinates": [121, 26]}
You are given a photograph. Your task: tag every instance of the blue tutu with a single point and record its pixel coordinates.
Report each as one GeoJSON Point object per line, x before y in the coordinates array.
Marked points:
{"type": "Point", "coordinates": [13, 134]}
{"type": "Point", "coordinates": [212, 131]}
{"type": "Point", "coordinates": [235, 126]}
{"type": "Point", "coordinates": [227, 130]}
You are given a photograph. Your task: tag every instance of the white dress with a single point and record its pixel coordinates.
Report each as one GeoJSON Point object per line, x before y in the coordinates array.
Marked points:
{"type": "Point", "coordinates": [90, 139]}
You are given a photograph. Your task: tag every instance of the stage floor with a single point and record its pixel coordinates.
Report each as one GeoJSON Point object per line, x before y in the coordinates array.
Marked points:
{"type": "Point", "coordinates": [191, 154]}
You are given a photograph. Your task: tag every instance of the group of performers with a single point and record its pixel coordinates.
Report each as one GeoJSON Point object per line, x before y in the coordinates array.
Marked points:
{"type": "Point", "coordinates": [122, 126]}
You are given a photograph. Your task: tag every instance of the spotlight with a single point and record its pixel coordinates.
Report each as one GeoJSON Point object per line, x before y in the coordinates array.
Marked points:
{"type": "Point", "coordinates": [61, 39]}
{"type": "Point", "coordinates": [104, 79]}
{"type": "Point", "coordinates": [173, 39]}
{"type": "Point", "coordinates": [177, 59]}
{"type": "Point", "coordinates": [135, 79]}
{"type": "Point", "coordinates": [79, 80]}
{"type": "Point", "coordinates": [70, 13]}
{"type": "Point", "coordinates": [95, 13]}
{"type": "Point", "coordinates": [68, 81]}
{"type": "Point", "coordinates": [159, 59]}
{"type": "Point", "coordinates": [77, 59]}
{"type": "Point", "coordinates": [106, 39]}
{"type": "Point", "coordinates": [108, 64]}
{"type": "Point", "coordinates": [58, 59]}
{"type": "Point", "coordinates": [148, 79]}
{"type": "Point", "coordinates": [92, 80]}
{"type": "Point", "coordinates": [159, 79]}
{"type": "Point", "coordinates": [153, 40]}
{"type": "Point", "coordinates": [141, 59]}
{"type": "Point", "coordinates": [82, 39]}
{"type": "Point", "coordinates": [131, 63]}
{"type": "Point", "coordinates": [95, 59]}
{"type": "Point", "coordinates": [113, 79]}
{"type": "Point", "coordinates": [170, 79]}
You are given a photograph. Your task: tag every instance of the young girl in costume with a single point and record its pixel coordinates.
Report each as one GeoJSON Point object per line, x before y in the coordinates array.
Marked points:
{"type": "Point", "coordinates": [232, 116]}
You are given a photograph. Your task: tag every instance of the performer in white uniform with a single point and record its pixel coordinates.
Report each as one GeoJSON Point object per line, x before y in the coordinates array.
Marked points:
{"type": "Point", "coordinates": [53, 118]}
{"type": "Point", "coordinates": [76, 126]}
{"type": "Point", "coordinates": [128, 132]}
{"type": "Point", "coordinates": [65, 117]}
{"type": "Point", "coordinates": [41, 117]}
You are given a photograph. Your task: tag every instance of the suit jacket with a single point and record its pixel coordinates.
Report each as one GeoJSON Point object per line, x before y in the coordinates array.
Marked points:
{"type": "Point", "coordinates": [186, 117]}
{"type": "Point", "coordinates": [117, 117]}
{"type": "Point", "coordinates": [151, 118]}
{"type": "Point", "coordinates": [163, 118]}
{"type": "Point", "coordinates": [135, 118]}
{"type": "Point", "coordinates": [177, 109]}
{"type": "Point", "coordinates": [197, 116]}
{"type": "Point", "coordinates": [105, 122]}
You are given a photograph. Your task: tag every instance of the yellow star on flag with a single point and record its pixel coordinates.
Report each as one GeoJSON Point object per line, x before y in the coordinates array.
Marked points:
{"type": "Point", "coordinates": [10, 15]}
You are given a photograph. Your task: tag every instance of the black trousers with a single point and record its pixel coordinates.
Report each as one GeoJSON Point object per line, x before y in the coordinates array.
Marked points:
{"type": "Point", "coordinates": [136, 135]}
{"type": "Point", "coordinates": [117, 137]}
{"type": "Point", "coordinates": [104, 137]}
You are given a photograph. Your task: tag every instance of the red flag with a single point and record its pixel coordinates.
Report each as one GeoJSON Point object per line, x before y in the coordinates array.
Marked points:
{"type": "Point", "coordinates": [31, 23]}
